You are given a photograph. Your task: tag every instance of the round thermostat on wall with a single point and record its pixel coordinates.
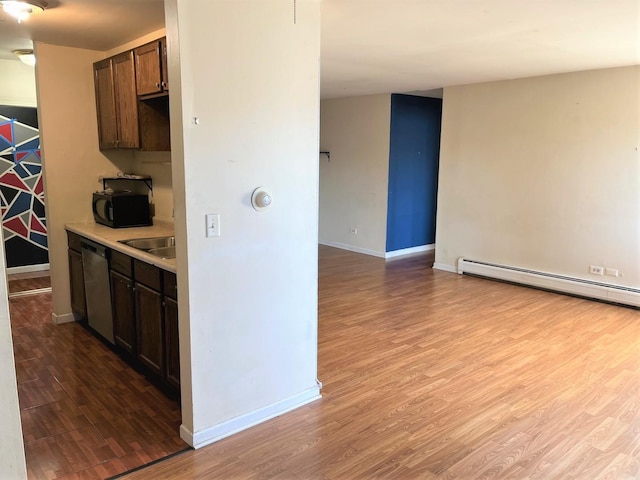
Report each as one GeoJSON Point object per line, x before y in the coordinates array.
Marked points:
{"type": "Point", "coordinates": [261, 199]}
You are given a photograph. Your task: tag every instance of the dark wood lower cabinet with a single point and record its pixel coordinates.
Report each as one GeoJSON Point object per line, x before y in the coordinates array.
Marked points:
{"type": "Point", "coordinates": [124, 320]}
{"type": "Point", "coordinates": [145, 313]}
{"type": "Point", "coordinates": [76, 280]}
{"type": "Point", "coordinates": [150, 328]}
{"type": "Point", "coordinates": [172, 348]}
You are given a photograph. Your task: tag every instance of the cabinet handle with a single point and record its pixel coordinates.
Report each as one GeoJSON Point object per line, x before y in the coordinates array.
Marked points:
{"type": "Point", "coordinates": [164, 84]}
{"type": "Point", "coordinates": [157, 85]}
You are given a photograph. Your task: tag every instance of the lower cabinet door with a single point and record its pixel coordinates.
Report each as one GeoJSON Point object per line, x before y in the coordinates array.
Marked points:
{"type": "Point", "coordinates": [124, 322]}
{"type": "Point", "coordinates": [172, 352]}
{"type": "Point", "coordinates": [150, 328]}
{"type": "Point", "coordinates": [78, 302]}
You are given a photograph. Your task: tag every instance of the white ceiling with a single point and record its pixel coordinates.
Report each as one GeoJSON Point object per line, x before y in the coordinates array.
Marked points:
{"type": "Point", "coordinates": [381, 46]}
{"type": "Point", "coordinates": [92, 24]}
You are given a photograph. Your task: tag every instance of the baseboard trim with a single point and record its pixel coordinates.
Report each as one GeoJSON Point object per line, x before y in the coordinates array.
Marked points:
{"type": "Point", "coordinates": [63, 318]}
{"type": "Point", "coordinates": [28, 268]}
{"type": "Point", "coordinates": [410, 251]}
{"type": "Point", "coordinates": [26, 293]}
{"type": "Point", "coordinates": [353, 248]}
{"type": "Point", "coordinates": [222, 430]}
{"type": "Point", "coordinates": [444, 267]}
{"type": "Point", "coordinates": [580, 287]}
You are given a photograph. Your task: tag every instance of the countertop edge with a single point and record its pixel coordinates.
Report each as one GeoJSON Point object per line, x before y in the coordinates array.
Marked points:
{"type": "Point", "coordinates": [109, 237]}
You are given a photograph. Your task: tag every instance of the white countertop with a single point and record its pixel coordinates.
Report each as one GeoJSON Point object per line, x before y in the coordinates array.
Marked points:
{"type": "Point", "coordinates": [110, 237]}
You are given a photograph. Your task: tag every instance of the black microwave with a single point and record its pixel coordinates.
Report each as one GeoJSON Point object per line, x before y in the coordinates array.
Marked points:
{"type": "Point", "coordinates": [121, 209]}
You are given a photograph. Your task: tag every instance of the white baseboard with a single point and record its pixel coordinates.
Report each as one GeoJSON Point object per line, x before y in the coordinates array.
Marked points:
{"type": "Point", "coordinates": [222, 430]}
{"type": "Point", "coordinates": [63, 318]}
{"type": "Point", "coordinates": [353, 248]}
{"type": "Point", "coordinates": [28, 293]}
{"type": "Point", "coordinates": [410, 251]}
{"type": "Point", "coordinates": [444, 267]}
{"type": "Point", "coordinates": [553, 281]}
{"type": "Point", "coordinates": [28, 268]}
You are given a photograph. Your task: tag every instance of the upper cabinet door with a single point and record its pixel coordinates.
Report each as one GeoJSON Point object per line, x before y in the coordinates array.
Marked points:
{"type": "Point", "coordinates": [124, 75]}
{"type": "Point", "coordinates": [163, 63]}
{"type": "Point", "coordinates": [132, 99]}
{"type": "Point", "coordinates": [105, 104]}
{"type": "Point", "coordinates": [150, 69]}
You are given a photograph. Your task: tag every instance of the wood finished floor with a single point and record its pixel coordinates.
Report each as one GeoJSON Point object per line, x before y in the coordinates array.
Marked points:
{"type": "Point", "coordinates": [430, 375]}
{"type": "Point", "coordinates": [22, 282]}
{"type": "Point", "coordinates": [85, 414]}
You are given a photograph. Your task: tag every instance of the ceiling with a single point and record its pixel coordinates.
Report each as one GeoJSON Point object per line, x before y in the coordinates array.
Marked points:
{"type": "Point", "coordinates": [92, 24]}
{"type": "Point", "coordinates": [382, 46]}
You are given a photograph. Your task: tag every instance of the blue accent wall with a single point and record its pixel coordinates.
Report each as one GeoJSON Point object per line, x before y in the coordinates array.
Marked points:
{"type": "Point", "coordinates": [413, 171]}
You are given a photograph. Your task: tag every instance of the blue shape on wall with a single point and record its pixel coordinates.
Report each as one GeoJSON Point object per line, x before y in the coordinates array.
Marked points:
{"type": "Point", "coordinates": [20, 205]}
{"type": "Point", "coordinates": [414, 153]}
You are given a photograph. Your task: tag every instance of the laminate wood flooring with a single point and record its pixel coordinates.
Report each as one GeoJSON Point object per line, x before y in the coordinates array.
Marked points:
{"type": "Point", "coordinates": [25, 282]}
{"type": "Point", "coordinates": [85, 413]}
{"type": "Point", "coordinates": [431, 375]}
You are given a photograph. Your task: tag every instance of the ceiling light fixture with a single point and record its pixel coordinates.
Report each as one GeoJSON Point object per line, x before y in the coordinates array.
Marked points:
{"type": "Point", "coordinates": [21, 9]}
{"type": "Point", "coordinates": [26, 56]}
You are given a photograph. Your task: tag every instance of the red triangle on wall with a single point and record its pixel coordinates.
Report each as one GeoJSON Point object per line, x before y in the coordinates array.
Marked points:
{"type": "Point", "coordinates": [7, 132]}
{"type": "Point", "coordinates": [16, 225]}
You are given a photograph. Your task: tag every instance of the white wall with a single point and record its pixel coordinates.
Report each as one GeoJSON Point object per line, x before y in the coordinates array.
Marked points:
{"type": "Point", "coordinates": [543, 173]}
{"type": "Point", "coordinates": [158, 166]}
{"type": "Point", "coordinates": [17, 88]}
{"type": "Point", "coordinates": [17, 84]}
{"type": "Point", "coordinates": [354, 184]}
{"type": "Point", "coordinates": [70, 155]}
{"type": "Point", "coordinates": [248, 299]}
{"type": "Point", "coordinates": [12, 459]}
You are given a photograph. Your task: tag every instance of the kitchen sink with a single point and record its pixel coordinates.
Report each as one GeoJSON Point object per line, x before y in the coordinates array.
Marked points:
{"type": "Point", "coordinates": [151, 243]}
{"type": "Point", "coordinates": [164, 247]}
{"type": "Point", "coordinates": [163, 252]}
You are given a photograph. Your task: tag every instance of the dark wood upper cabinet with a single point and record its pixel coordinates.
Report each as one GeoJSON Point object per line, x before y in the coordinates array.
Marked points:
{"type": "Point", "coordinates": [163, 62]}
{"type": "Point", "coordinates": [126, 100]}
{"type": "Point", "coordinates": [151, 68]}
{"type": "Point", "coordinates": [105, 104]}
{"type": "Point", "coordinates": [116, 102]}
{"type": "Point", "coordinates": [132, 99]}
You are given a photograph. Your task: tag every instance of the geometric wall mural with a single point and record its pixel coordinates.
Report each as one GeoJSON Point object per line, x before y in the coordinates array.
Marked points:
{"type": "Point", "coordinates": [24, 225]}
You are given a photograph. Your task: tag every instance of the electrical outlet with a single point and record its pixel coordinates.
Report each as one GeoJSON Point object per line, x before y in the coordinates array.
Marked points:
{"type": "Point", "coordinates": [213, 224]}
{"type": "Point", "coordinates": [595, 270]}
{"type": "Point", "coordinates": [612, 272]}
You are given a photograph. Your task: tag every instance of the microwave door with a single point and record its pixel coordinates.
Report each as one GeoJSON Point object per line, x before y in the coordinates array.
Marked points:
{"type": "Point", "coordinates": [103, 208]}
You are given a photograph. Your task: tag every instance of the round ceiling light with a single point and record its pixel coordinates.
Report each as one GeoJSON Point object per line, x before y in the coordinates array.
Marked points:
{"type": "Point", "coordinates": [26, 56]}
{"type": "Point", "coordinates": [21, 10]}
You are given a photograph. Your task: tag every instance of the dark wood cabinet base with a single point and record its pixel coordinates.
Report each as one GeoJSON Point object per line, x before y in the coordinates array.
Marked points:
{"type": "Point", "coordinates": [145, 315]}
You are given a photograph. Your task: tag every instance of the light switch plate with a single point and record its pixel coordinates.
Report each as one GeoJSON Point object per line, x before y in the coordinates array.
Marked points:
{"type": "Point", "coordinates": [213, 224]}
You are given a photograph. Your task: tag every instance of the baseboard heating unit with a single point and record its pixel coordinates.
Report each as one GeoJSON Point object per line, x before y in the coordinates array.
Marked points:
{"type": "Point", "coordinates": [550, 281]}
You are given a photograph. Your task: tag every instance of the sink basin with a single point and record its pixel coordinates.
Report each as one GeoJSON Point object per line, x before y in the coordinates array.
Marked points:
{"type": "Point", "coordinates": [151, 243]}
{"type": "Point", "coordinates": [163, 252]}
{"type": "Point", "coordinates": [163, 247]}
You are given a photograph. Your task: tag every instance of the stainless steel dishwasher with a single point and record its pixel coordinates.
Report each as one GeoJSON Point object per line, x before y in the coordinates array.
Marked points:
{"type": "Point", "coordinates": [97, 288]}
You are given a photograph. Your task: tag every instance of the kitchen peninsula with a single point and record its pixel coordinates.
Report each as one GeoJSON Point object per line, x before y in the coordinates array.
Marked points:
{"type": "Point", "coordinates": [136, 289]}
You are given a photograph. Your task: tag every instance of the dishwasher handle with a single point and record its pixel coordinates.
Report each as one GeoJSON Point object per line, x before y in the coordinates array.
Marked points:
{"type": "Point", "coordinates": [94, 248]}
